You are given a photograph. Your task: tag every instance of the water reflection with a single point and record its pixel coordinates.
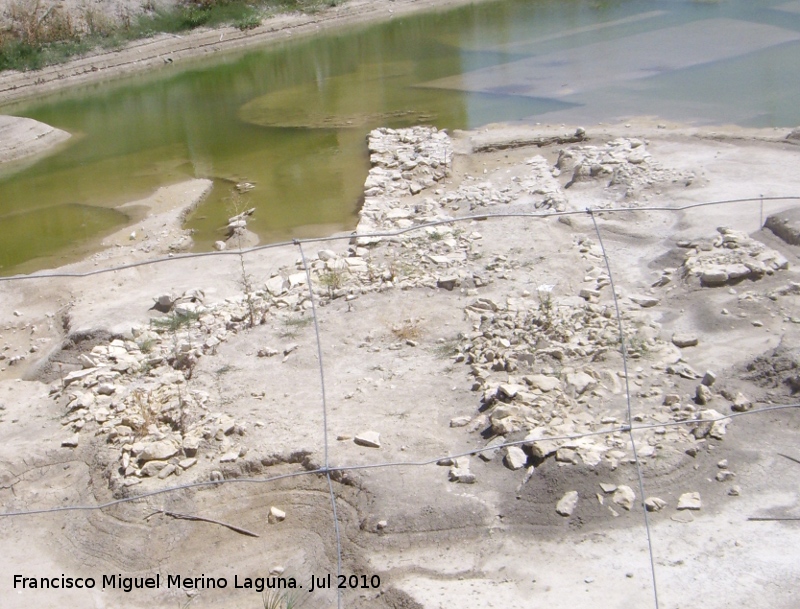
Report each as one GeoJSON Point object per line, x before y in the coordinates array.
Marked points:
{"type": "Point", "coordinates": [293, 118]}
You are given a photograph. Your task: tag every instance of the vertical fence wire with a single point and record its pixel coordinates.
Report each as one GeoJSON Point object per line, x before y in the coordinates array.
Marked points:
{"type": "Point", "coordinates": [629, 422]}
{"type": "Point", "coordinates": [327, 469]}
{"type": "Point", "coordinates": [326, 462]}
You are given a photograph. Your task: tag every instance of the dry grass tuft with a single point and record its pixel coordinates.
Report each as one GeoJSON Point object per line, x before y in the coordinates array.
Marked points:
{"type": "Point", "coordinates": [408, 329]}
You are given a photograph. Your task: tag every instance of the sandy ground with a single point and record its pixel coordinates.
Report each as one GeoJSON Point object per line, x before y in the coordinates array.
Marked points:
{"type": "Point", "coordinates": [391, 367]}
{"type": "Point", "coordinates": [21, 138]}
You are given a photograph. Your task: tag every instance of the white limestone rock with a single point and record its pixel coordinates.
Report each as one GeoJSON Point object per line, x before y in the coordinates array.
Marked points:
{"type": "Point", "coordinates": [624, 497]}
{"type": "Point", "coordinates": [459, 471]}
{"type": "Point", "coordinates": [276, 515]}
{"type": "Point", "coordinates": [158, 451]}
{"type": "Point", "coordinates": [515, 458]}
{"type": "Point", "coordinates": [654, 504]}
{"type": "Point", "coordinates": [690, 501]}
{"type": "Point", "coordinates": [370, 439]}
{"type": "Point", "coordinates": [566, 505]}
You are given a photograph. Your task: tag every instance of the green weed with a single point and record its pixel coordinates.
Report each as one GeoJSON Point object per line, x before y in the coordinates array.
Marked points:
{"type": "Point", "coordinates": [175, 322]}
{"type": "Point", "coordinates": [248, 22]}
{"type": "Point", "coordinates": [40, 36]}
{"type": "Point", "coordinates": [146, 345]}
{"type": "Point", "coordinates": [333, 279]}
{"type": "Point", "coordinates": [293, 325]}
{"type": "Point", "coordinates": [280, 599]}
{"type": "Point", "coordinates": [447, 348]}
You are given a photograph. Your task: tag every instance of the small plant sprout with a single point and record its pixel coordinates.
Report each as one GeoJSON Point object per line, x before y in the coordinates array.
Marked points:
{"type": "Point", "coordinates": [333, 279]}
{"type": "Point", "coordinates": [245, 279]}
{"type": "Point", "coordinates": [293, 325]}
{"type": "Point", "coordinates": [408, 329]}
{"type": "Point", "coordinates": [282, 599]}
{"type": "Point", "coordinates": [545, 295]}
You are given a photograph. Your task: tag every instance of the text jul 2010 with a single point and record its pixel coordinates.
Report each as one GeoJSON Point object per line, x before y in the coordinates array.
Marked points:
{"type": "Point", "coordinates": [157, 581]}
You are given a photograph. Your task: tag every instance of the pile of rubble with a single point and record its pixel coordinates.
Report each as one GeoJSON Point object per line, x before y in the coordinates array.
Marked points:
{"type": "Point", "coordinates": [623, 164]}
{"type": "Point", "coordinates": [404, 162]}
{"type": "Point", "coordinates": [135, 393]}
{"type": "Point", "coordinates": [542, 373]}
{"type": "Point", "coordinates": [407, 161]}
{"type": "Point", "coordinates": [545, 366]}
{"type": "Point", "coordinates": [536, 184]}
{"type": "Point", "coordinates": [731, 257]}
{"type": "Point", "coordinates": [549, 368]}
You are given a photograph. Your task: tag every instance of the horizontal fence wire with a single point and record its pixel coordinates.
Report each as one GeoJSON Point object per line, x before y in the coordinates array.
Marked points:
{"type": "Point", "coordinates": [389, 234]}
{"type": "Point", "coordinates": [327, 469]}
{"type": "Point", "coordinates": [390, 464]}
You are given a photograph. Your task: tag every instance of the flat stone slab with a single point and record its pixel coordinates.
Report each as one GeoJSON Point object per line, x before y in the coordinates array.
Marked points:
{"type": "Point", "coordinates": [786, 225]}
{"type": "Point", "coordinates": [645, 301]}
{"type": "Point", "coordinates": [370, 439]}
{"type": "Point", "coordinates": [684, 340]}
{"type": "Point", "coordinates": [566, 505]}
{"type": "Point", "coordinates": [690, 501]}
{"type": "Point", "coordinates": [515, 458]}
{"type": "Point", "coordinates": [158, 451]}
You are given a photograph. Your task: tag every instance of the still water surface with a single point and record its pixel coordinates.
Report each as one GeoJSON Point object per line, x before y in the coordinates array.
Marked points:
{"type": "Point", "coordinates": [293, 117]}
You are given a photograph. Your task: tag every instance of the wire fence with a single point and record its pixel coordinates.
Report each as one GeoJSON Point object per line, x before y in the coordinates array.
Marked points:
{"type": "Point", "coordinates": [328, 470]}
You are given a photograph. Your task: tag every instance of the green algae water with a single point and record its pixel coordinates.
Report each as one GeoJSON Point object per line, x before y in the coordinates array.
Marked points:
{"type": "Point", "coordinates": [292, 118]}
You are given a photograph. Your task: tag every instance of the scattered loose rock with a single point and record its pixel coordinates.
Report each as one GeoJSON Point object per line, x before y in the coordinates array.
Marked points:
{"type": "Point", "coordinates": [71, 442]}
{"type": "Point", "coordinates": [646, 301]}
{"type": "Point", "coordinates": [741, 403]}
{"type": "Point", "coordinates": [684, 340]}
{"type": "Point", "coordinates": [690, 501]}
{"type": "Point", "coordinates": [566, 505]}
{"type": "Point", "coordinates": [730, 258]}
{"type": "Point", "coordinates": [624, 497]}
{"type": "Point", "coordinates": [459, 472]}
{"type": "Point", "coordinates": [371, 439]}
{"type": "Point", "coordinates": [623, 164]}
{"type": "Point", "coordinates": [515, 458]}
{"type": "Point", "coordinates": [654, 504]}
{"type": "Point", "coordinates": [703, 395]}
{"type": "Point", "coordinates": [276, 515]}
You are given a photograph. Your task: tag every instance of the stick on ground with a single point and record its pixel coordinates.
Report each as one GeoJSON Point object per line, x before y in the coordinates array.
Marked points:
{"type": "Point", "coordinates": [790, 458]}
{"type": "Point", "coordinates": [201, 519]}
